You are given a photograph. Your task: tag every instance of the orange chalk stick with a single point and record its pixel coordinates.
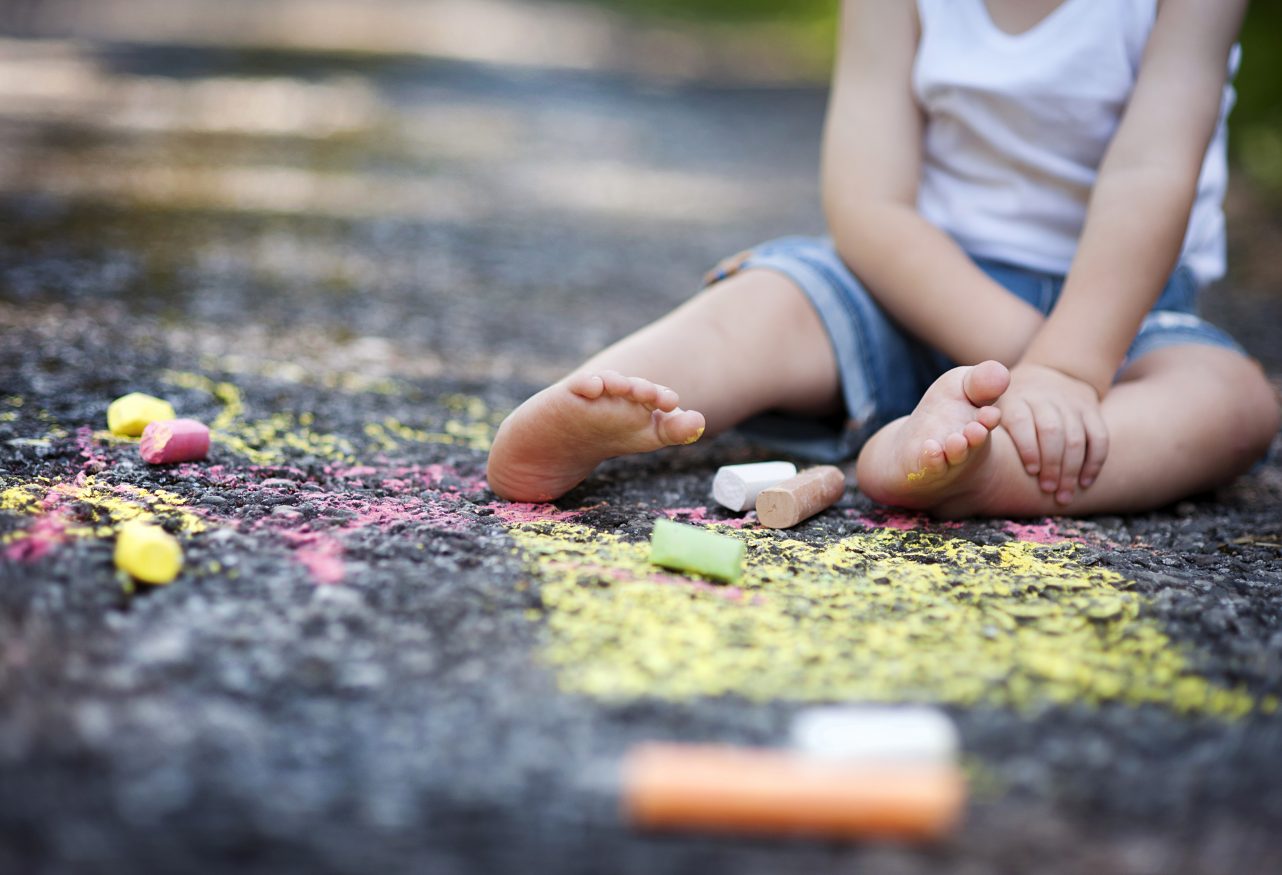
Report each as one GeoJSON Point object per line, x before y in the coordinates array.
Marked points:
{"type": "Point", "coordinates": [174, 440]}
{"type": "Point", "coordinates": [801, 497]}
{"type": "Point", "coordinates": [767, 792]}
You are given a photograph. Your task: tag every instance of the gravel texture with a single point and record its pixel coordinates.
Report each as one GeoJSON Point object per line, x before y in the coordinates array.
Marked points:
{"type": "Point", "coordinates": [349, 675]}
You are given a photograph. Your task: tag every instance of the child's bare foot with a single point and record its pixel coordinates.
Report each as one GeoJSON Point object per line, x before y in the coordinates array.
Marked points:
{"type": "Point", "coordinates": [929, 456]}
{"type": "Point", "coordinates": [554, 440]}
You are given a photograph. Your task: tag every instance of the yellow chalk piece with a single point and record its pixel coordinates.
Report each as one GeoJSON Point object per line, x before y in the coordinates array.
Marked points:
{"type": "Point", "coordinates": [148, 553]}
{"type": "Point", "coordinates": [129, 414]}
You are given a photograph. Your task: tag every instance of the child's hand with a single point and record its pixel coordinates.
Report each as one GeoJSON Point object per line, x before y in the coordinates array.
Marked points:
{"type": "Point", "coordinates": [1057, 427]}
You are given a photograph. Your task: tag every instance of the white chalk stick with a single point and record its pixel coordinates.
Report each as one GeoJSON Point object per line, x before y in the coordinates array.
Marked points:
{"type": "Point", "coordinates": [878, 733]}
{"type": "Point", "coordinates": [736, 486]}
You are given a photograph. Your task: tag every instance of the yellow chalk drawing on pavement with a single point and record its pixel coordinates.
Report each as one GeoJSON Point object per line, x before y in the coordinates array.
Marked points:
{"type": "Point", "coordinates": [350, 381]}
{"type": "Point", "coordinates": [884, 616]}
{"type": "Point", "coordinates": [22, 499]}
{"type": "Point", "coordinates": [87, 508]}
{"type": "Point", "coordinates": [391, 433]}
{"type": "Point", "coordinates": [273, 439]}
{"type": "Point", "coordinates": [472, 425]}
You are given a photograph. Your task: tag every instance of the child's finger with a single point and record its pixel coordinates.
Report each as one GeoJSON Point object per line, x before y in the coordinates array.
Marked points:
{"type": "Point", "coordinates": [1074, 457]}
{"type": "Point", "coordinates": [1018, 420]}
{"type": "Point", "coordinates": [1050, 441]}
{"type": "Point", "coordinates": [1096, 447]}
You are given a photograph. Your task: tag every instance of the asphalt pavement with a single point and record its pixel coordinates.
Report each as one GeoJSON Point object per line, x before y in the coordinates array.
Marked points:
{"type": "Point", "coordinates": [352, 266]}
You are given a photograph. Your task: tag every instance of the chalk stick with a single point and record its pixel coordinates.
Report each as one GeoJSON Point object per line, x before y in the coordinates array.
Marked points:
{"type": "Point", "coordinates": [129, 414]}
{"type": "Point", "coordinates": [876, 734]}
{"type": "Point", "coordinates": [693, 548]}
{"type": "Point", "coordinates": [765, 792]}
{"type": "Point", "coordinates": [148, 553]}
{"type": "Point", "coordinates": [800, 498]}
{"type": "Point", "coordinates": [174, 440]}
{"type": "Point", "coordinates": [736, 486]}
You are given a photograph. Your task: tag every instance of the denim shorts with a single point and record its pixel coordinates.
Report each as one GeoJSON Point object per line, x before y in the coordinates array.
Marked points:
{"type": "Point", "coordinates": [884, 370]}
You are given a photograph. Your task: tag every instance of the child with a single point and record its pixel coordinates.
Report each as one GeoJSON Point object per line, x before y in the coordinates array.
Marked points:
{"type": "Point", "coordinates": [1031, 188]}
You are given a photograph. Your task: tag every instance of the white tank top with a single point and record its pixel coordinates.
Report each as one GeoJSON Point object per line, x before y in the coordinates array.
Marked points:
{"type": "Point", "coordinates": [1017, 125]}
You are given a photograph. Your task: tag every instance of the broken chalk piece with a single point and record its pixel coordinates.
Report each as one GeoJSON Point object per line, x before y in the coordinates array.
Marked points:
{"type": "Point", "coordinates": [881, 734]}
{"type": "Point", "coordinates": [736, 486]}
{"type": "Point", "coordinates": [129, 414]}
{"type": "Point", "coordinates": [148, 553]}
{"type": "Point", "coordinates": [785, 505]}
{"type": "Point", "coordinates": [174, 440]}
{"type": "Point", "coordinates": [691, 548]}
{"type": "Point", "coordinates": [764, 792]}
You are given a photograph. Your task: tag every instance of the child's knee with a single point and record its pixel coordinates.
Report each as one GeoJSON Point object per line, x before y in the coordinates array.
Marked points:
{"type": "Point", "coordinates": [1265, 412]}
{"type": "Point", "coordinates": [1255, 405]}
{"type": "Point", "coordinates": [766, 296]}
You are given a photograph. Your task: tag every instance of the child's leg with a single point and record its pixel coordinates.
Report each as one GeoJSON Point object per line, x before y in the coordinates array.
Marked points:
{"type": "Point", "coordinates": [1183, 419]}
{"type": "Point", "coordinates": [748, 344]}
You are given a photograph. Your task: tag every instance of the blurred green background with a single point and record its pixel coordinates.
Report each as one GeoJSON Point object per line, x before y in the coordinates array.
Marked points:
{"type": "Point", "coordinates": [810, 25]}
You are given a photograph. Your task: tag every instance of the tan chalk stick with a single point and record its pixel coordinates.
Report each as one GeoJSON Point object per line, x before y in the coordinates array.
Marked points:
{"type": "Point", "coordinates": [769, 792]}
{"type": "Point", "coordinates": [785, 505]}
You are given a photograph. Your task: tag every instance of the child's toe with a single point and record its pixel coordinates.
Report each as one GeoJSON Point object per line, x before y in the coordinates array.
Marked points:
{"type": "Point", "coordinates": [616, 384]}
{"type": "Point", "coordinates": [932, 457]}
{"type": "Point", "coordinates": [679, 427]}
{"type": "Point", "coordinates": [666, 399]}
{"type": "Point", "coordinates": [586, 385]}
{"type": "Point", "coordinates": [985, 382]}
{"type": "Point", "coordinates": [975, 433]}
{"type": "Point", "coordinates": [643, 391]}
{"type": "Point", "coordinates": [956, 448]}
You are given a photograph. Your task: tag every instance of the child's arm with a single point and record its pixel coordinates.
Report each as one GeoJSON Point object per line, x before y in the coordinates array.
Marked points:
{"type": "Point", "coordinates": [1135, 226]}
{"type": "Point", "coordinates": [871, 166]}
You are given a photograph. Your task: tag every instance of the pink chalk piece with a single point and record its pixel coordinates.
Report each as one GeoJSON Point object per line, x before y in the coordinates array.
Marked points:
{"type": "Point", "coordinates": [174, 440]}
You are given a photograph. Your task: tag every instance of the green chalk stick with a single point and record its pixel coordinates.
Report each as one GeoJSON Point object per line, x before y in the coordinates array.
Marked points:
{"type": "Point", "coordinates": [692, 548]}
